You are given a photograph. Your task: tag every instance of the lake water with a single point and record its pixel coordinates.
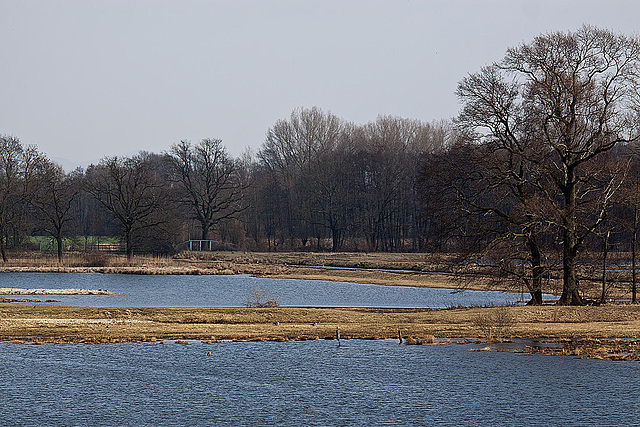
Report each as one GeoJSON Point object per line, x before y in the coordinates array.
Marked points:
{"type": "Point", "coordinates": [360, 383]}
{"type": "Point", "coordinates": [232, 291]}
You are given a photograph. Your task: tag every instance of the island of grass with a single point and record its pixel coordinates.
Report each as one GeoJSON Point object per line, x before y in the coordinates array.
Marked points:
{"type": "Point", "coordinates": [588, 331]}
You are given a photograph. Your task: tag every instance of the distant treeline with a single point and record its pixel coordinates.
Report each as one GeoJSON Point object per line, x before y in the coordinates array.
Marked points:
{"type": "Point", "coordinates": [317, 183]}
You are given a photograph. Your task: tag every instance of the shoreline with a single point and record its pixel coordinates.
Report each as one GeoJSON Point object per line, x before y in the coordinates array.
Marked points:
{"type": "Point", "coordinates": [55, 291]}
{"type": "Point", "coordinates": [387, 269]}
{"type": "Point", "coordinates": [417, 279]}
{"type": "Point", "coordinates": [609, 332]}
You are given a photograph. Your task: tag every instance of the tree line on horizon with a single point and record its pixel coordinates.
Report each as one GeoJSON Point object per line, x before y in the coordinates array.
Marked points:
{"type": "Point", "coordinates": [540, 169]}
{"type": "Point", "coordinates": [317, 183]}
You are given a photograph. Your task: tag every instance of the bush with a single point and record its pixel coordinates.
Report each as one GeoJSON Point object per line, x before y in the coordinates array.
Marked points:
{"type": "Point", "coordinates": [258, 298]}
{"type": "Point", "coordinates": [97, 259]}
{"type": "Point", "coordinates": [495, 322]}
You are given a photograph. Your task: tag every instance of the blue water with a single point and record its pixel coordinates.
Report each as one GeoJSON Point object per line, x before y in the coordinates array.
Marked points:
{"type": "Point", "coordinates": [361, 383]}
{"type": "Point", "coordinates": [232, 291]}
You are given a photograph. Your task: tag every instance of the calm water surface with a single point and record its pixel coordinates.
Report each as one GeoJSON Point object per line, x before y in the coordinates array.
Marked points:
{"type": "Point", "coordinates": [309, 383]}
{"type": "Point", "coordinates": [232, 291]}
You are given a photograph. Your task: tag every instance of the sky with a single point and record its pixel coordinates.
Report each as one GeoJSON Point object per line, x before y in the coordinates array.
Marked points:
{"type": "Point", "coordinates": [87, 79]}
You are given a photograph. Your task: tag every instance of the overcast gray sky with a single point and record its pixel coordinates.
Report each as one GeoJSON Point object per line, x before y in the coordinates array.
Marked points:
{"type": "Point", "coordinates": [84, 79]}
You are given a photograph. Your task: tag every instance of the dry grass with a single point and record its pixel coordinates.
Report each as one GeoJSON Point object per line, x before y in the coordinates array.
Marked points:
{"type": "Point", "coordinates": [81, 324]}
{"type": "Point", "coordinates": [115, 264]}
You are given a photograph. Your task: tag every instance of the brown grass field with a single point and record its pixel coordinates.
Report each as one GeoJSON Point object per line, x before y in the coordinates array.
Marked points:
{"type": "Point", "coordinates": [391, 269]}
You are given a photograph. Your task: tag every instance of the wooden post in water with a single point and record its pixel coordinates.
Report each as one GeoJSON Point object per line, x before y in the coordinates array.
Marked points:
{"type": "Point", "coordinates": [338, 335]}
{"type": "Point", "coordinates": [399, 336]}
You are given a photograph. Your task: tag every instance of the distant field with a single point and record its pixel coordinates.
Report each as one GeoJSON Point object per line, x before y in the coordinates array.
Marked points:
{"type": "Point", "coordinates": [48, 242]}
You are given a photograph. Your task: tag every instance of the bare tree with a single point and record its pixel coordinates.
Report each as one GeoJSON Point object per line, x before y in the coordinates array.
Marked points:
{"type": "Point", "coordinates": [299, 154]}
{"type": "Point", "coordinates": [209, 180]}
{"type": "Point", "coordinates": [389, 153]}
{"type": "Point", "coordinates": [493, 202]}
{"type": "Point", "coordinates": [566, 98]}
{"type": "Point", "coordinates": [16, 172]}
{"type": "Point", "coordinates": [53, 199]}
{"type": "Point", "coordinates": [628, 219]}
{"type": "Point", "coordinates": [132, 191]}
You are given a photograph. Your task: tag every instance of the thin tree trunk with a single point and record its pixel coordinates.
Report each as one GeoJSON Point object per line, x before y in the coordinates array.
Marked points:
{"type": "Point", "coordinates": [129, 247]}
{"type": "Point", "coordinates": [59, 241]}
{"type": "Point", "coordinates": [605, 252]}
{"type": "Point", "coordinates": [634, 243]}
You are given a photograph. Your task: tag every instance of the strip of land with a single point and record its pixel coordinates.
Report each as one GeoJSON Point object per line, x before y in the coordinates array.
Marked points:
{"type": "Point", "coordinates": [67, 291]}
{"type": "Point", "coordinates": [590, 331]}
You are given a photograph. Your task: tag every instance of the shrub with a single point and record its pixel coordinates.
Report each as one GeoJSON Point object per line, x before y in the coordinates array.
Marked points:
{"type": "Point", "coordinates": [259, 298]}
{"type": "Point", "coordinates": [494, 323]}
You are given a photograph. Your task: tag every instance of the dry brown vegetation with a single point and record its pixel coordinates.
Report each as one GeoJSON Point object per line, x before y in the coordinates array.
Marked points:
{"type": "Point", "coordinates": [81, 324]}
{"type": "Point", "coordinates": [590, 331]}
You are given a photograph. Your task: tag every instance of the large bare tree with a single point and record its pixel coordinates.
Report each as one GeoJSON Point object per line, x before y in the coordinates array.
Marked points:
{"type": "Point", "coordinates": [560, 102]}
{"type": "Point", "coordinates": [210, 183]}
{"type": "Point", "coordinates": [132, 191]}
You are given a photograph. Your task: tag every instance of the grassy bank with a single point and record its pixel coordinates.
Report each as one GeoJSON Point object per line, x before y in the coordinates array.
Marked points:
{"type": "Point", "coordinates": [592, 326]}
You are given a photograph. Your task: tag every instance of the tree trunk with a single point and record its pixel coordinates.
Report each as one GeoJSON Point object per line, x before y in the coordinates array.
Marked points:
{"type": "Point", "coordinates": [536, 272]}
{"type": "Point", "coordinates": [129, 246]}
{"type": "Point", "coordinates": [335, 238]}
{"type": "Point", "coordinates": [2, 249]}
{"type": "Point", "coordinates": [633, 258]}
{"type": "Point", "coordinates": [59, 241]}
{"type": "Point", "coordinates": [205, 231]}
{"type": "Point", "coordinates": [605, 252]}
{"type": "Point", "coordinates": [570, 294]}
